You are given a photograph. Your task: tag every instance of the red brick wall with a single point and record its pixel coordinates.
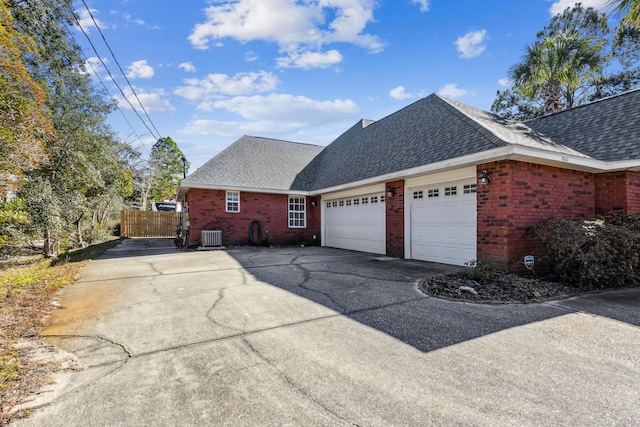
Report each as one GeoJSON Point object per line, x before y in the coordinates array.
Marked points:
{"type": "Point", "coordinates": [207, 212]}
{"type": "Point", "coordinates": [633, 192]}
{"type": "Point", "coordinates": [521, 195]}
{"type": "Point", "coordinates": [395, 219]}
{"type": "Point", "coordinates": [618, 191]}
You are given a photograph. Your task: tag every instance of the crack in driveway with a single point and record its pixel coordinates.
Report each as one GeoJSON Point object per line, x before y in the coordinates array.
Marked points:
{"type": "Point", "coordinates": [119, 364]}
{"type": "Point", "coordinates": [212, 309]}
{"type": "Point", "coordinates": [298, 389]}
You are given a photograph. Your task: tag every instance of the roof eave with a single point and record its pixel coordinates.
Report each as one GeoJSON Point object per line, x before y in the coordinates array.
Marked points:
{"type": "Point", "coordinates": [511, 152]}
{"type": "Point", "coordinates": [184, 189]}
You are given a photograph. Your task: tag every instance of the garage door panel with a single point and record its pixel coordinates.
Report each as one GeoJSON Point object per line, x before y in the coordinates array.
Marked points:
{"type": "Point", "coordinates": [443, 228]}
{"type": "Point", "coordinates": [356, 227]}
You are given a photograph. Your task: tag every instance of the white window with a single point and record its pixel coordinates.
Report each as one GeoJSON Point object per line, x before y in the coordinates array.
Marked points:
{"type": "Point", "coordinates": [341, 203]}
{"type": "Point", "coordinates": [349, 202]}
{"type": "Point", "coordinates": [334, 204]}
{"type": "Point", "coordinates": [434, 192]}
{"type": "Point", "coordinates": [365, 200]}
{"type": "Point", "coordinates": [418, 194]}
{"type": "Point", "coordinates": [328, 204]}
{"type": "Point", "coordinates": [297, 212]}
{"type": "Point", "coordinates": [381, 199]}
{"type": "Point", "coordinates": [470, 188]}
{"type": "Point", "coordinates": [233, 201]}
{"type": "Point", "coordinates": [356, 201]}
{"type": "Point", "coordinates": [374, 199]}
{"type": "Point", "coordinates": [450, 191]}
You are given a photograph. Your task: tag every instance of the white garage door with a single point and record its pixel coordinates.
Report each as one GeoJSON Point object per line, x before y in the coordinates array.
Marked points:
{"type": "Point", "coordinates": [443, 223]}
{"type": "Point", "coordinates": [356, 223]}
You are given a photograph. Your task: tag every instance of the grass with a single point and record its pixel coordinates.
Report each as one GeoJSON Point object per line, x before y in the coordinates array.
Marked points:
{"type": "Point", "coordinates": [26, 291]}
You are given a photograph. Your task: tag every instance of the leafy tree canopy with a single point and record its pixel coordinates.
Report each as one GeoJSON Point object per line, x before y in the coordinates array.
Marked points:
{"type": "Point", "coordinates": [166, 162]}
{"type": "Point", "coordinates": [630, 10]}
{"type": "Point", "coordinates": [575, 59]}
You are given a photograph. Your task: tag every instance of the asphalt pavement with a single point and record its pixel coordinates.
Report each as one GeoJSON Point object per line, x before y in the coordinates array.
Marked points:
{"type": "Point", "coordinates": [152, 335]}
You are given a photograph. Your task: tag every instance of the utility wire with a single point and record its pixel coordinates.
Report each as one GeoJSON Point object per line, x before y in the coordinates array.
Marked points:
{"type": "Point", "coordinates": [112, 78]}
{"type": "Point", "coordinates": [95, 73]}
{"type": "Point", "coordinates": [121, 71]}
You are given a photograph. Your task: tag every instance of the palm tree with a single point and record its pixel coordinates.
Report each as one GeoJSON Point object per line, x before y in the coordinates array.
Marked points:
{"type": "Point", "coordinates": [630, 9]}
{"type": "Point", "coordinates": [555, 69]}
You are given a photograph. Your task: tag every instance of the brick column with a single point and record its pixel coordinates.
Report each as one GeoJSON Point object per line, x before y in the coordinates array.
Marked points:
{"type": "Point", "coordinates": [395, 218]}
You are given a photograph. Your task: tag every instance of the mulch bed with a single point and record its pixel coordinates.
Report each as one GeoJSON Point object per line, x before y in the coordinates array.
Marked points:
{"type": "Point", "coordinates": [500, 289]}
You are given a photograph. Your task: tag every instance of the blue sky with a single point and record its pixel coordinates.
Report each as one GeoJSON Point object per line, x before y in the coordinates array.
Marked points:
{"type": "Point", "coordinates": [208, 72]}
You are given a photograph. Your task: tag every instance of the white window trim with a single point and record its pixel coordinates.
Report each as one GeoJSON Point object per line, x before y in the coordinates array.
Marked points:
{"type": "Point", "coordinates": [227, 201]}
{"type": "Point", "coordinates": [303, 217]}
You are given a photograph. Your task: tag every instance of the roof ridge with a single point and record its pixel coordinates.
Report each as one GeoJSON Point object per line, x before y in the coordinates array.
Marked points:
{"type": "Point", "coordinates": [595, 101]}
{"type": "Point", "coordinates": [279, 140]}
{"type": "Point", "coordinates": [451, 104]}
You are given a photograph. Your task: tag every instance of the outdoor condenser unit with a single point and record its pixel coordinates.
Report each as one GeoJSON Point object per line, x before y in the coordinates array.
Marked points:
{"type": "Point", "coordinates": [211, 238]}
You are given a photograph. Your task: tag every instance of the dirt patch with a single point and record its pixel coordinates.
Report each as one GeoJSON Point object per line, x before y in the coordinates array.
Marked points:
{"type": "Point", "coordinates": [80, 306]}
{"type": "Point", "coordinates": [499, 289]}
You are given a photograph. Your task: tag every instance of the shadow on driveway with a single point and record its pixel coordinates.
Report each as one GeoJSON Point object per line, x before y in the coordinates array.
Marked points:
{"type": "Point", "coordinates": [382, 292]}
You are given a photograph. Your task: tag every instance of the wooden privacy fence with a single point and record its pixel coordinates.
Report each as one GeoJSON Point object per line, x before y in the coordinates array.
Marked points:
{"type": "Point", "coordinates": [148, 224]}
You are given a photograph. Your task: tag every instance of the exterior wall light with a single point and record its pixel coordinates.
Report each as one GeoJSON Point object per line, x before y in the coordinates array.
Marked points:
{"type": "Point", "coordinates": [391, 192]}
{"type": "Point", "coordinates": [484, 177]}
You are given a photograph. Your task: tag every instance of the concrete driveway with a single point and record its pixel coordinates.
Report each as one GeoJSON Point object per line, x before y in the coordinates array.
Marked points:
{"type": "Point", "coordinates": [316, 336]}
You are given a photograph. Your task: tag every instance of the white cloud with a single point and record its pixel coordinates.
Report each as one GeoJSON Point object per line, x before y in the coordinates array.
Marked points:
{"type": "Point", "coordinates": [93, 64]}
{"type": "Point", "coordinates": [288, 108]}
{"type": "Point", "coordinates": [217, 85]}
{"type": "Point", "coordinates": [152, 101]}
{"type": "Point", "coordinates": [309, 60]}
{"type": "Point", "coordinates": [296, 27]}
{"type": "Point", "coordinates": [231, 129]}
{"type": "Point", "coordinates": [560, 5]}
{"type": "Point", "coordinates": [128, 18]}
{"type": "Point", "coordinates": [84, 18]}
{"type": "Point", "coordinates": [140, 69]}
{"type": "Point", "coordinates": [188, 67]}
{"type": "Point", "coordinates": [505, 82]}
{"type": "Point", "coordinates": [424, 5]}
{"type": "Point", "coordinates": [251, 56]}
{"type": "Point", "coordinates": [471, 44]}
{"type": "Point", "coordinates": [399, 93]}
{"type": "Point", "coordinates": [451, 90]}
{"type": "Point", "coordinates": [273, 114]}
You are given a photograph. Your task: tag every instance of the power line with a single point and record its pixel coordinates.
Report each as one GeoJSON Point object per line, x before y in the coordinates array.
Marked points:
{"type": "Point", "coordinates": [121, 71]}
{"type": "Point", "coordinates": [95, 73]}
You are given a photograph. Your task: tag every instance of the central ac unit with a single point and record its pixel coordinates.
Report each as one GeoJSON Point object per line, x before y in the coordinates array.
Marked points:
{"type": "Point", "coordinates": [211, 238]}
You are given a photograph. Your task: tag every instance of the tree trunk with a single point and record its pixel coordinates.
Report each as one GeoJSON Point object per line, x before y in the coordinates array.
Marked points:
{"type": "Point", "coordinates": [46, 249]}
{"type": "Point", "coordinates": [79, 232]}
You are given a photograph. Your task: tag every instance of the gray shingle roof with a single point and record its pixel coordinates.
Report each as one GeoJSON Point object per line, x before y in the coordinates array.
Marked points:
{"type": "Point", "coordinates": [255, 162]}
{"type": "Point", "coordinates": [430, 130]}
{"type": "Point", "coordinates": [607, 129]}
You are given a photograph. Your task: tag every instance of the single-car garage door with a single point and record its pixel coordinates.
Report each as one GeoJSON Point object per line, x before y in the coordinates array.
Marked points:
{"type": "Point", "coordinates": [443, 222]}
{"type": "Point", "coordinates": [356, 223]}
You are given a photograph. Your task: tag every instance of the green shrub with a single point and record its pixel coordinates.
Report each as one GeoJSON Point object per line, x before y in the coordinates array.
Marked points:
{"type": "Point", "coordinates": [479, 271]}
{"type": "Point", "coordinates": [591, 253]}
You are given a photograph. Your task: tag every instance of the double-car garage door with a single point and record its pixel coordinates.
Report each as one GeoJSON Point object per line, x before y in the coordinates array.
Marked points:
{"type": "Point", "coordinates": [440, 222]}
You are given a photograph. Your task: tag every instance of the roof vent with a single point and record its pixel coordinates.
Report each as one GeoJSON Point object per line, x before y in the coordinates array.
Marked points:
{"type": "Point", "coordinates": [367, 122]}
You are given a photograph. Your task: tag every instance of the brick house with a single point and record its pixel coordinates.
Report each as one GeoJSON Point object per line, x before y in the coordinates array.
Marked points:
{"type": "Point", "coordinates": [437, 180]}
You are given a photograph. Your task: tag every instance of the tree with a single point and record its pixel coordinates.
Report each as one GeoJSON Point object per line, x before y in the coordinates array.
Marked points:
{"type": "Point", "coordinates": [84, 172]}
{"type": "Point", "coordinates": [167, 168]}
{"type": "Point", "coordinates": [555, 70]}
{"type": "Point", "coordinates": [24, 119]}
{"type": "Point", "coordinates": [514, 106]}
{"type": "Point", "coordinates": [631, 11]}
{"type": "Point", "coordinates": [573, 60]}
